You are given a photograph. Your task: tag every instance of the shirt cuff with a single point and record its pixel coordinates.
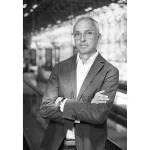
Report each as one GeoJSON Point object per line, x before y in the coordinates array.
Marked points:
{"type": "Point", "coordinates": [62, 105]}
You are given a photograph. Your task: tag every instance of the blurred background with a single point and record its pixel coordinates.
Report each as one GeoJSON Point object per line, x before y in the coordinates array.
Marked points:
{"type": "Point", "coordinates": [47, 40]}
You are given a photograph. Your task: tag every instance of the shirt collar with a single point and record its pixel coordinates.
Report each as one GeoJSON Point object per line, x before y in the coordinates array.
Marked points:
{"type": "Point", "coordinates": [90, 60]}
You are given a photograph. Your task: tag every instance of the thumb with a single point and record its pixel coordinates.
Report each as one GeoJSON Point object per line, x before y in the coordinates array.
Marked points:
{"type": "Point", "coordinates": [102, 91]}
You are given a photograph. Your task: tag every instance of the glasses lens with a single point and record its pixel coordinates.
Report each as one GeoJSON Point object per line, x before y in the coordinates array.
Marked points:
{"type": "Point", "coordinates": [87, 35]}
{"type": "Point", "coordinates": [77, 35]}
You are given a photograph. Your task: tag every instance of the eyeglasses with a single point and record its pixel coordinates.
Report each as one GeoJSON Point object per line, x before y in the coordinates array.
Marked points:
{"type": "Point", "coordinates": [86, 34]}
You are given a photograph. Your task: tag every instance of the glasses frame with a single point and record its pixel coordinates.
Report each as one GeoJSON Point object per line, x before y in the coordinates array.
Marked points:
{"type": "Point", "coordinates": [85, 35]}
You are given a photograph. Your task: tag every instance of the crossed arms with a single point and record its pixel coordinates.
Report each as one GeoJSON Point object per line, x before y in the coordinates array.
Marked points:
{"type": "Point", "coordinates": [94, 112]}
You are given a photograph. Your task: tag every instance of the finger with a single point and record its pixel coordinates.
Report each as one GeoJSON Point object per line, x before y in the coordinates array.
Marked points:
{"type": "Point", "coordinates": [103, 100]}
{"type": "Point", "coordinates": [77, 121]}
{"type": "Point", "coordinates": [58, 99]}
{"type": "Point", "coordinates": [94, 102]}
{"type": "Point", "coordinates": [101, 94]}
{"type": "Point", "coordinates": [100, 102]}
{"type": "Point", "coordinates": [105, 96]}
{"type": "Point", "coordinates": [101, 91]}
{"type": "Point", "coordinates": [102, 97]}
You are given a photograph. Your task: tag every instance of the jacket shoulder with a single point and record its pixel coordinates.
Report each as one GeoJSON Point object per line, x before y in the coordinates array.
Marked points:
{"type": "Point", "coordinates": [110, 67]}
{"type": "Point", "coordinates": [64, 62]}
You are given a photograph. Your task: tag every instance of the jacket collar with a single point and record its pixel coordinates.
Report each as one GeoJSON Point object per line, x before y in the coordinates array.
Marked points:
{"type": "Point", "coordinates": [95, 68]}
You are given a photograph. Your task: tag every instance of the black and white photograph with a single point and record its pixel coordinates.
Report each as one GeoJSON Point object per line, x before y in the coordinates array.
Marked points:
{"type": "Point", "coordinates": [65, 69]}
{"type": "Point", "coordinates": [74, 74]}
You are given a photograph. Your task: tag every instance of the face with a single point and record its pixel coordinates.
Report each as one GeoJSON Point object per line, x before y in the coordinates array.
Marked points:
{"type": "Point", "coordinates": [87, 37]}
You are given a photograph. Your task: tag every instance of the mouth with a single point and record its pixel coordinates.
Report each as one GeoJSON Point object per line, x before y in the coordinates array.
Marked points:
{"type": "Point", "coordinates": [83, 45]}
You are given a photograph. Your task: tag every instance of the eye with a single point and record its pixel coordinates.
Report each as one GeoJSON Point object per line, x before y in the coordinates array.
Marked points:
{"type": "Point", "coordinates": [77, 34]}
{"type": "Point", "coordinates": [89, 33]}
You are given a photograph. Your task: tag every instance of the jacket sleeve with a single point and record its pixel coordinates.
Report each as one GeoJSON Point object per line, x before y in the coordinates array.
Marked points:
{"type": "Point", "coordinates": [48, 109]}
{"type": "Point", "coordinates": [94, 113]}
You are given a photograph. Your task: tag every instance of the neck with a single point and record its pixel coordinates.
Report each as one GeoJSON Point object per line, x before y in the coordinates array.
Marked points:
{"type": "Point", "coordinates": [85, 57]}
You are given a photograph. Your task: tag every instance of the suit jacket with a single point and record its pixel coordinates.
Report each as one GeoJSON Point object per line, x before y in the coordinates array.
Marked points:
{"type": "Point", "coordinates": [91, 132]}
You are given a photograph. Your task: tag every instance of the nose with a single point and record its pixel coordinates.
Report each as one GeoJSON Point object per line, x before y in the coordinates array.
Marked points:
{"type": "Point", "coordinates": [82, 38]}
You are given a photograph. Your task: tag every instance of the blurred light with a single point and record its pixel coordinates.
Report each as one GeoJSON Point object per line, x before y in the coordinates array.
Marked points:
{"type": "Point", "coordinates": [88, 9]}
{"type": "Point", "coordinates": [49, 25]}
{"type": "Point", "coordinates": [31, 10]}
{"type": "Point", "coordinates": [36, 32]}
{"type": "Point", "coordinates": [26, 14]}
{"type": "Point", "coordinates": [121, 99]}
{"type": "Point", "coordinates": [58, 21]}
{"type": "Point", "coordinates": [42, 28]}
{"type": "Point", "coordinates": [47, 29]}
{"type": "Point", "coordinates": [24, 5]}
{"type": "Point", "coordinates": [122, 1]}
{"type": "Point", "coordinates": [105, 9]}
{"type": "Point", "coordinates": [32, 33]}
{"type": "Point", "coordinates": [70, 17]}
{"type": "Point", "coordinates": [34, 6]}
{"type": "Point", "coordinates": [113, 6]}
{"type": "Point", "coordinates": [33, 45]}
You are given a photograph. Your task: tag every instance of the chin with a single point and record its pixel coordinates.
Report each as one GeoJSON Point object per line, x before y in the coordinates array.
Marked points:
{"type": "Point", "coordinates": [83, 51]}
{"type": "Point", "coordinates": [86, 51]}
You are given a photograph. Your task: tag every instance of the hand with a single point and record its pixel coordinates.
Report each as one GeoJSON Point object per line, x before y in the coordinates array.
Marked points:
{"type": "Point", "coordinates": [76, 121]}
{"type": "Point", "coordinates": [100, 98]}
{"type": "Point", "coordinates": [58, 100]}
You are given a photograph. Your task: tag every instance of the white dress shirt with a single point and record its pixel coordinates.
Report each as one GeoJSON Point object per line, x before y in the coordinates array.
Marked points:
{"type": "Point", "coordinates": [82, 71]}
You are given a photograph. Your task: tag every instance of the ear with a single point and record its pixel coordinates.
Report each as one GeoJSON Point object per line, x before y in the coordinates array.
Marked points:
{"type": "Point", "coordinates": [99, 36]}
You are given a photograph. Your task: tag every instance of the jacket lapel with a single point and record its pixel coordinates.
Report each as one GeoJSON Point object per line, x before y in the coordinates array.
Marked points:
{"type": "Point", "coordinates": [72, 71]}
{"type": "Point", "coordinates": [95, 68]}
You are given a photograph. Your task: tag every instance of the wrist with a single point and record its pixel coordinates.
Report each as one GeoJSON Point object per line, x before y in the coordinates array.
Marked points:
{"type": "Point", "coordinates": [62, 103]}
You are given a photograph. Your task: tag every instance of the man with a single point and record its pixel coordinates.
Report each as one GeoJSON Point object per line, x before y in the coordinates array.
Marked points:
{"type": "Point", "coordinates": [79, 95]}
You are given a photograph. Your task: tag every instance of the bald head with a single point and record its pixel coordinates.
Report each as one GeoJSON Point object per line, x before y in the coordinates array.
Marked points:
{"type": "Point", "coordinates": [88, 19]}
